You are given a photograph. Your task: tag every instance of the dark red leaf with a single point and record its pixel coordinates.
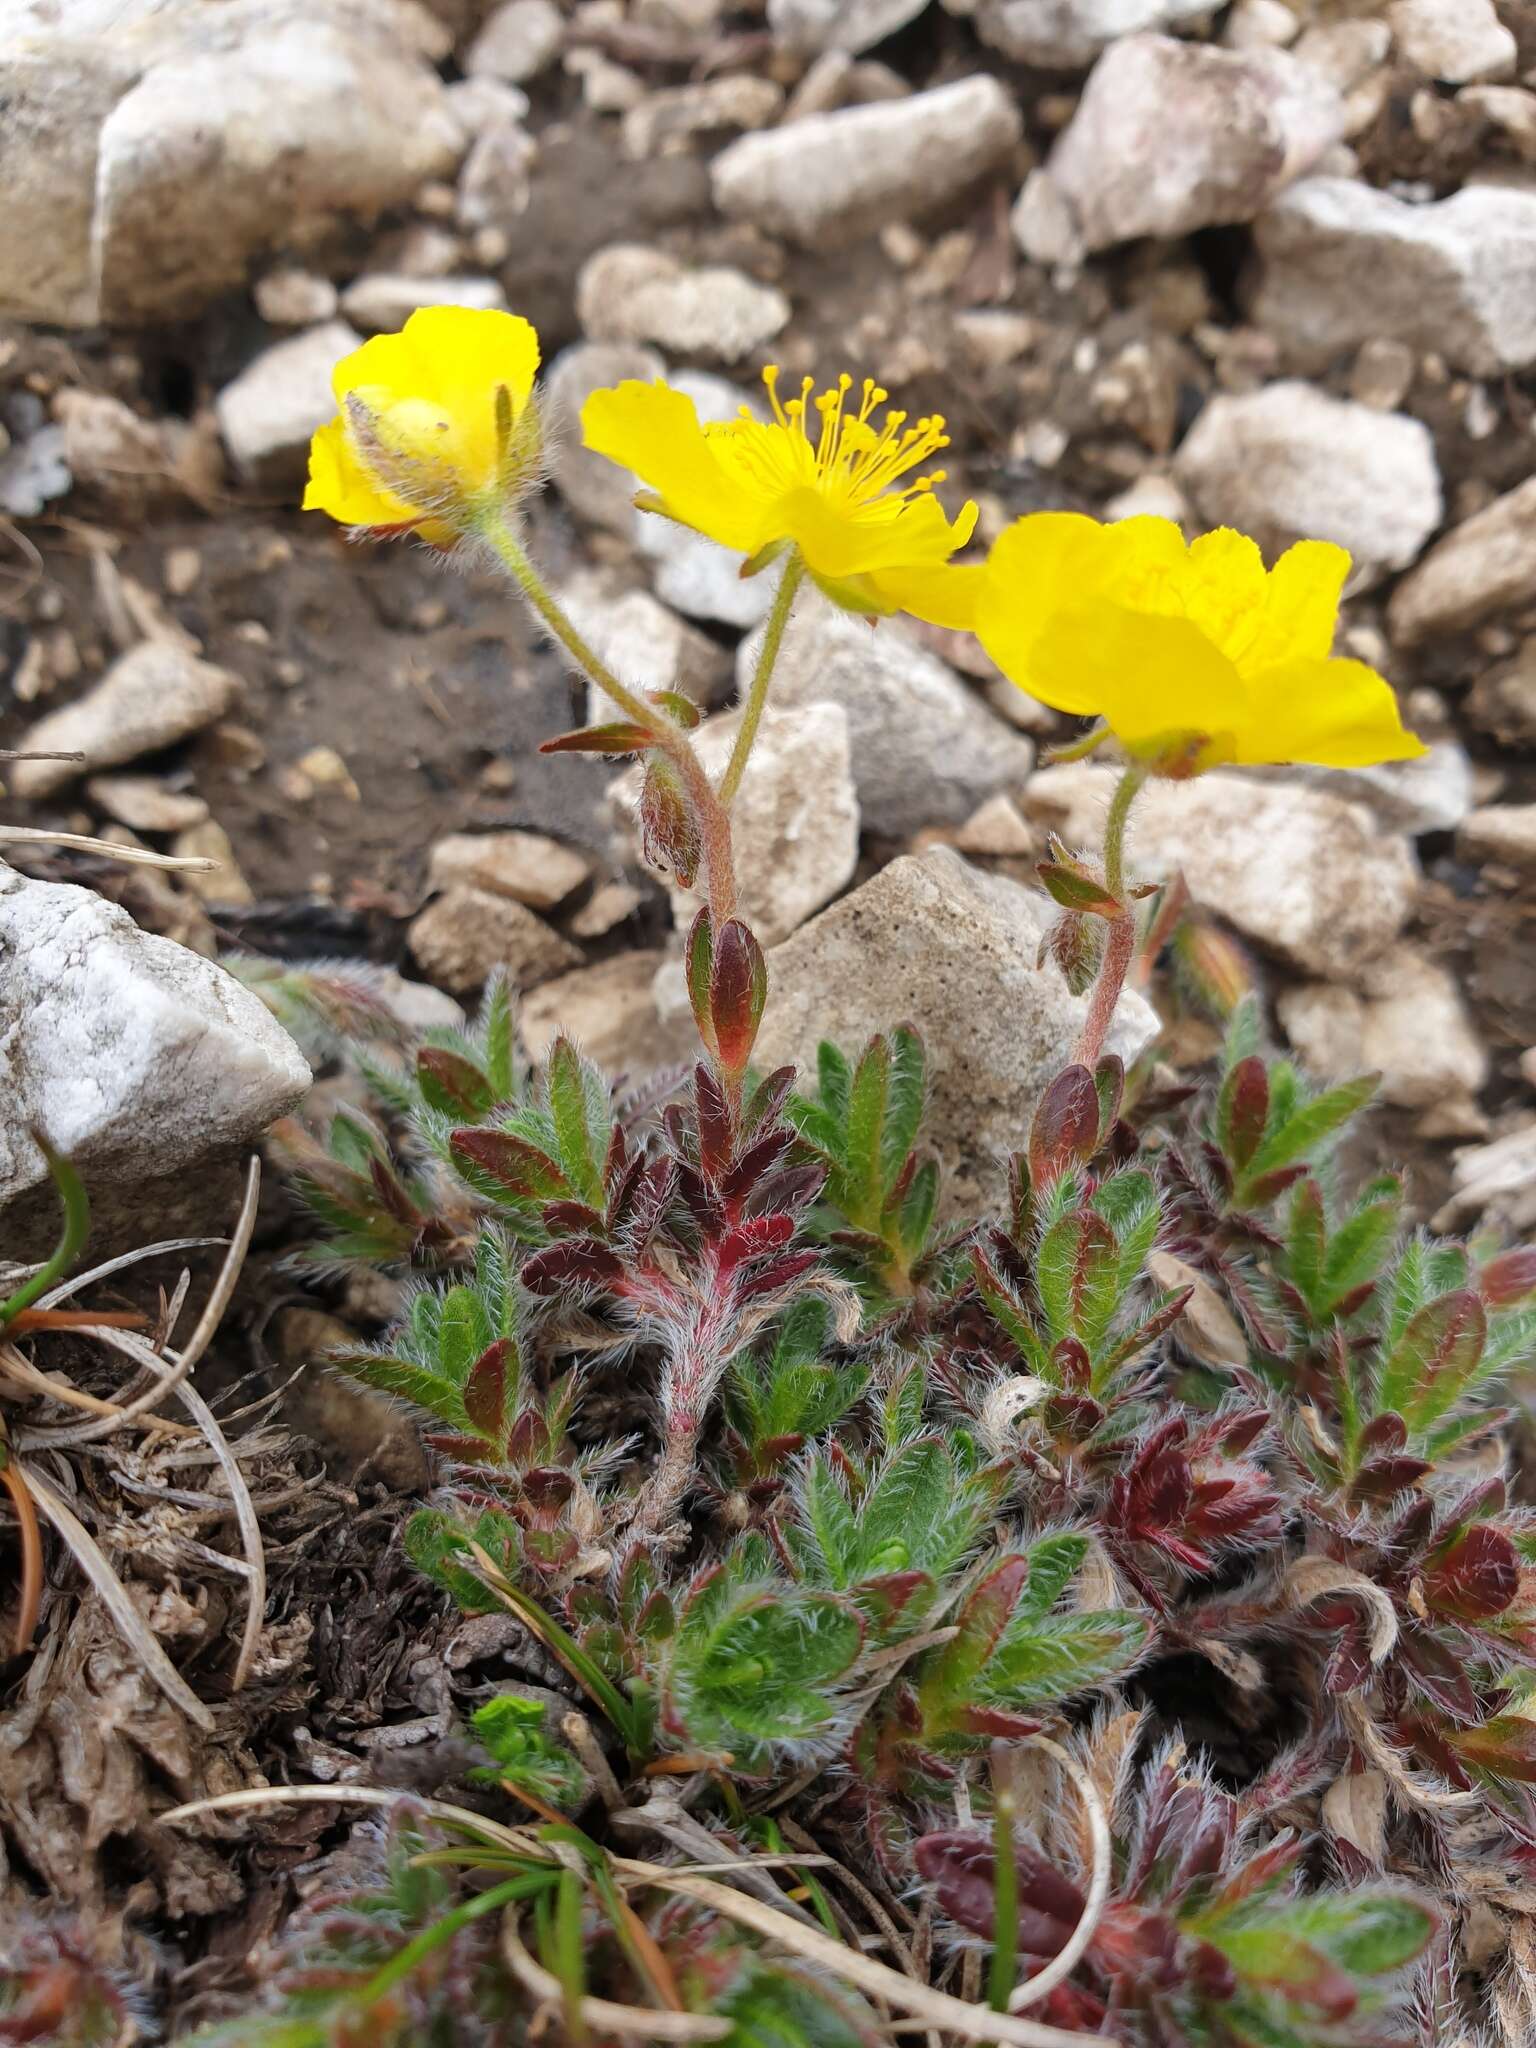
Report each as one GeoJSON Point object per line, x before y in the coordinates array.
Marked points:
{"type": "Point", "coordinates": [1245, 1105]}
{"type": "Point", "coordinates": [574, 1262]}
{"type": "Point", "coordinates": [485, 1390]}
{"type": "Point", "coordinates": [1509, 1277]}
{"type": "Point", "coordinates": [1476, 1578]}
{"type": "Point", "coordinates": [1066, 1125]}
{"type": "Point", "coordinates": [452, 1083]}
{"type": "Point", "coordinates": [738, 989]}
{"type": "Point", "coordinates": [526, 1173]}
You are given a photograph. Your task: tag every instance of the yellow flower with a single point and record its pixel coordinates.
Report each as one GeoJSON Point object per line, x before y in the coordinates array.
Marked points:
{"type": "Point", "coordinates": [1191, 654]}
{"type": "Point", "coordinates": [819, 476]}
{"type": "Point", "coordinates": [434, 424]}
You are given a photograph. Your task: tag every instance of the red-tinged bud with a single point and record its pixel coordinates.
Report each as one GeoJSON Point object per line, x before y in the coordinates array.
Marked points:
{"type": "Point", "coordinates": [670, 840]}
{"type": "Point", "coordinates": [1075, 943]}
{"type": "Point", "coordinates": [1509, 1277]}
{"type": "Point", "coordinates": [728, 987]}
{"type": "Point", "coordinates": [1065, 1130]}
{"type": "Point", "coordinates": [1212, 966]}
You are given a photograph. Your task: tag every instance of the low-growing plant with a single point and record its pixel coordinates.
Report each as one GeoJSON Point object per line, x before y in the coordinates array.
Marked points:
{"type": "Point", "coordinates": [914, 1576]}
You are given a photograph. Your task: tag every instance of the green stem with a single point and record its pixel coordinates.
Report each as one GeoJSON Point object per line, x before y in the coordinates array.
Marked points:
{"type": "Point", "coordinates": [514, 559]}
{"type": "Point", "coordinates": [1120, 940]}
{"type": "Point", "coordinates": [714, 822]}
{"type": "Point", "coordinates": [1114, 829]}
{"type": "Point", "coordinates": [1005, 1904]}
{"type": "Point", "coordinates": [757, 694]}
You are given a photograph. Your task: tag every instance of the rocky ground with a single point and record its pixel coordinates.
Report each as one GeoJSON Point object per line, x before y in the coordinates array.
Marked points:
{"type": "Point", "coordinates": [1270, 264]}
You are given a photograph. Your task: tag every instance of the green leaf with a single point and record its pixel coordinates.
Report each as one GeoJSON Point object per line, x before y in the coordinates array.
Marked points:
{"type": "Point", "coordinates": [1077, 1272]}
{"type": "Point", "coordinates": [1306, 1243]}
{"type": "Point", "coordinates": [574, 1091]}
{"type": "Point", "coordinates": [765, 1667]}
{"type": "Point", "coordinates": [863, 1132]}
{"type": "Point", "coordinates": [834, 1079]}
{"type": "Point", "coordinates": [830, 1519]}
{"type": "Point", "coordinates": [904, 1109]}
{"type": "Point", "coordinates": [1050, 1660]}
{"type": "Point", "coordinates": [1434, 1360]}
{"type": "Point", "coordinates": [1054, 1562]}
{"type": "Point", "coordinates": [1307, 1128]}
{"type": "Point", "coordinates": [1358, 1249]}
{"type": "Point", "coordinates": [905, 1506]}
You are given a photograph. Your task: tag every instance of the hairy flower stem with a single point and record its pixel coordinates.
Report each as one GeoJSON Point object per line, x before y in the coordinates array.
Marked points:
{"type": "Point", "coordinates": [713, 817]}
{"type": "Point", "coordinates": [1120, 940]}
{"type": "Point", "coordinates": [757, 694]}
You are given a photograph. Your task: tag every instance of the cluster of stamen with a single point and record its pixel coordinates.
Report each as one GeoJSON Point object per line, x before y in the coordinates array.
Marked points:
{"type": "Point", "coordinates": [848, 451]}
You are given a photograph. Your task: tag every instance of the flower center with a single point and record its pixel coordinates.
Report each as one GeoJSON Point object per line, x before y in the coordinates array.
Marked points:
{"type": "Point", "coordinates": [850, 459]}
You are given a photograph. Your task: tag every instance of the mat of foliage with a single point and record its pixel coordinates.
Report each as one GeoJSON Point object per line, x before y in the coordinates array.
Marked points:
{"type": "Point", "coordinates": [1108, 1620]}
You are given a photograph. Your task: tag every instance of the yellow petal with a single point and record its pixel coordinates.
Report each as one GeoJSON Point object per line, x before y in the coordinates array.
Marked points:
{"type": "Point", "coordinates": [1329, 714]}
{"type": "Point", "coordinates": [442, 371]}
{"type": "Point", "coordinates": [1034, 566]}
{"type": "Point", "coordinates": [1221, 587]}
{"type": "Point", "coordinates": [1151, 676]}
{"type": "Point", "coordinates": [654, 431]}
{"type": "Point", "coordinates": [945, 596]}
{"type": "Point", "coordinates": [1301, 602]}
{"type": "Point", "coordinates": [338, 484]}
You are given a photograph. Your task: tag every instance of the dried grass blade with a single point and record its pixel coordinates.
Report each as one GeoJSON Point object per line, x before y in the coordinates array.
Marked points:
{"type": "Point", "coordinates": [113, 1594]}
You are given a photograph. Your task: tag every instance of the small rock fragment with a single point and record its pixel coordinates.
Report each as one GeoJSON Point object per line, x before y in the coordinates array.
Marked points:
{"type": "Point", "coordinates": [110, 450]}
{"type": "Point", "coordinates": [594, 488]}
{"type": "Point", "coordinates": [673, 118]}
{"type": "Point", "coordinates": [1405, 1019]}
{"type": "Point", "coordinates": [610, 1011]}
{"type": "Point", "coordinates": [1430, 794]}
{"type": "Point", "coordinates": [607, 907]}
{"type": "Point", "coordinates": [1457, 276]}
{"type": "Point", "coordinates": [1505, 833]}
{"type": "Point", "coordinates": [636, 294]}
{"type": "Point", "coordinates": [381, 303]}
{"type": "Point", "coordinates": [831, 178]}
{"type": "Point", "coordinates": [643, 642]}
{"type": "Point", "coordinates": [466, 933]}
{"type": "Point", "coordinates": [811, 26]}
{"type": "Point", "coordinates": [1458, 42]}
{"type": "Point", "coordinates": [997, 831]}
{"type": "Point", "coordinates": [151, 697]}
{"type": "Point", "coordinates": [1300, 871]}
{"type": "Point", "coordinates": [936, 943]}
{"type": "Point", "coordinates": [269, 413]}
{"type": "Point", "coordinates": [294, 298]}
{"type": "Point", "coordinates": [138, 1059]}
{"type": "Point", "coordinates": [324, 768]}
{"type": "Point", "coordinates": [517, 42]}
{"type": "Point", "coordinates": [1067, 35]}
{"type": "Point", "coordinates": [795, 820]}
{"type": "Point", "coordinates": [1169, 137]}
{"type": "Point", "coordinates": [1503, 701]}
{"type": "Point", "coordinates": [223, 883]}
{"type": "Point", "coordinates": [1289, 463]}
{"type": "Point", "coordinates": [33, 471]}
{"type": "Point", "coordinates": [526, 866]}
{"type": "Point", "coordinates": [924, 750]}
{"type": "Point", "coordinates": [1485, 565]}
{"type": "Point", "coordinates": [145, 805]}
{"type": "Point", "coordinates": [1495, 1182]}
{"type": "Point", "coordinates": [496, 182]}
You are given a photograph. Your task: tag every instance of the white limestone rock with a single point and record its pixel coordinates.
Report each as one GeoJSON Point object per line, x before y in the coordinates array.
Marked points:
{"type": "Point", "coordinates": [1404, 1019]}
{"type": "Point", "coordinates": [151, 697]}
{"type": "Point", "coordinates": [268, 414]}
{"type": "Point", "coordinates": [1484, 566]}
